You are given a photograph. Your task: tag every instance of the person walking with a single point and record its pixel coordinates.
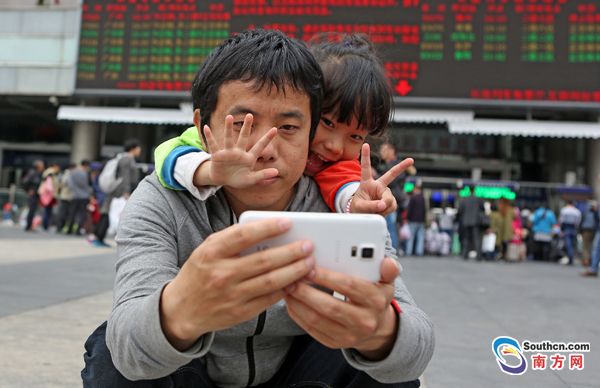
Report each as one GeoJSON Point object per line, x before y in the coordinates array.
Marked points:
{"type": "Point", "coordinates": [129, 175]}
{"type": "Point", "coordinates": [415, 217]}
{"type": "Point", "coordinates": [595, 257]}
{"type": "Point", "coordinates": [31, 183]}
{"type": "Point", "coordinates": [387, 151]}
{"type": "Point", "coordinates": [65, 196]}
{"type": "Point", "coordinates": [570, 217]}
{"type": "Point", "coordinates": [81, 189]}
{"type": "Point", "coordinates": [48, 192]}
{"type": "Point", "coordinates": [588, 229]}
{"type": "Point", "coordinates": [470, 210]}
{"type": "Point", "coordinates": [543, 221]}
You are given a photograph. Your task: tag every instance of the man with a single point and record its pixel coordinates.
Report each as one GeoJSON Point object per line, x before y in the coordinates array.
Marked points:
{"type": "Point", "coordinates": [190, 312]}
{"type": "Point", "coordinates": [31, 183]}
{"type": "Point", "coordinates": [415, 217]}
{"type": "Point", "coordinates": [65, 196]}
{"type": "Point", "coordinates": [589, 227]}
{"type": "Point", "coordinates": [569, 220]}
{"type": "Point", "coordinates": [592, 271]}
{"type": "Point", "coordinates": [130, 176]}
{"type": "Point", "coordinates": [387, 152]}
{"type": "Point", "coordinates": [469, 211]}
{"type": "Point", "coordinates": [81, 189]}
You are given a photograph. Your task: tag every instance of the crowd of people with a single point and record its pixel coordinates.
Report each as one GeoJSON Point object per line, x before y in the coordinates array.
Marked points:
{"type": "Point", "coordinates": [73, 201]}
{"type": "Point", "coordinates": [486, 229]}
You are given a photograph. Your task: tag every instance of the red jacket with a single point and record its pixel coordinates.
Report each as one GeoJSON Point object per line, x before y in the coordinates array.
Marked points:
{"type": "Point", "coordinates": [331, 179]}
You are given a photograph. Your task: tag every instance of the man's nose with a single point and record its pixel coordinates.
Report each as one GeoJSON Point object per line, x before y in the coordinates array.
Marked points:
{"type": "Point", "coordinates": [270, 151]}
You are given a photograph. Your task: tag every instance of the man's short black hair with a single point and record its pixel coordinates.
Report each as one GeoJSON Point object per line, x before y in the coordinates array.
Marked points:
{"type": "Point", "coordinates": [265, 58]}
{"type": "Point", "coordinates": [131, 144]}
{"type": "Point", "coordinates": [85, 162]}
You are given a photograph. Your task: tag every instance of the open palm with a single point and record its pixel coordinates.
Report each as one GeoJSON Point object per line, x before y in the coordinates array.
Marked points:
{"type": "Point", "coordinates": [233, 165]}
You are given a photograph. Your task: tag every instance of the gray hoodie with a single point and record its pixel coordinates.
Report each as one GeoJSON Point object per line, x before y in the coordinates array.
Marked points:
{"type": "Point", "coordinates": [79, 183]}
{"type": "Point", "coordinates": [158, 231]}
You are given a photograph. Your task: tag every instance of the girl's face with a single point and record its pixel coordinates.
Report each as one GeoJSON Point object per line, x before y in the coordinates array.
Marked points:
{"type": "Point", "coordinates": [334, 141]}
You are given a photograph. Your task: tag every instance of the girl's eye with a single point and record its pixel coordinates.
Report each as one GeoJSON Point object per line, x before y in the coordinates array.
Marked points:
{"type": "Point", "coordinates": [357, 137]}
{"type": "Point", "coordinates": [327, 122]}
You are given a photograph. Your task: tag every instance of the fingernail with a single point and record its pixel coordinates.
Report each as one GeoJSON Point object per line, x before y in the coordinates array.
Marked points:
{"type": "Point", "coordinates": [310, 262]}
{"type": "Point", "coordinates": [310, 275]}
{"type": "Point", "coordinates": [285, 224]}
{"type": "Point", "coordinates": [290, 288]}
{"type": "Point", "coordinates": [307, 246]}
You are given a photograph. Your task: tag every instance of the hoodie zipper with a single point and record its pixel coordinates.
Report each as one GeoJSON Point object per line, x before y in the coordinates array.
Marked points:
{"type": "Point", "coordinates": [250, 347]}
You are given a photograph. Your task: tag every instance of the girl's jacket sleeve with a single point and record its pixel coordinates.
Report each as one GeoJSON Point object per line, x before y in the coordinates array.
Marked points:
{"type": "Point", "coordinates": [335, 178]}
{"type": "Point", "coordinates": [167, 153]}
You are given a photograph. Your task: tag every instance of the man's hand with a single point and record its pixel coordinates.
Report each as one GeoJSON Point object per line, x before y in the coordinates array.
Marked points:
{"type": "Point", "coordinates": [366, 322]}
{"type": "Point", "coordinates": [216, 289]}
{"type": "Point", "coordinates": [373, 196]}
{"type": "Point", "coordinates": [232, 165]}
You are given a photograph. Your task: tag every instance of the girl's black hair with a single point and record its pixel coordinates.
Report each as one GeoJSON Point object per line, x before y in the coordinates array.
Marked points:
{"type": "Point", "coordinates": [355, 80]}
{"type": "Point", "coordinates": [265, 58]}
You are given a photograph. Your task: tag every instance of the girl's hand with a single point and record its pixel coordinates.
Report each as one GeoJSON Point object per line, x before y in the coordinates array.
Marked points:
{"type": "Point", "coordinates": [373, 196]}
{"type": "Point", "coordinates": [232, 165]}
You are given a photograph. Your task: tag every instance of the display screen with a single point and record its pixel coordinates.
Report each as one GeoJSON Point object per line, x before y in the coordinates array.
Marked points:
{"type": "Point", "coordinates": [463, 51]}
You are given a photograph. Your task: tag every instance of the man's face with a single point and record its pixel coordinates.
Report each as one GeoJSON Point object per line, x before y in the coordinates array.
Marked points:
{"type": "Point", "coordinates": [287, 152]}
{"type": "Point", "coordinates": [137, 151]}
{"type": "Point", "coordinates": [386, 152]}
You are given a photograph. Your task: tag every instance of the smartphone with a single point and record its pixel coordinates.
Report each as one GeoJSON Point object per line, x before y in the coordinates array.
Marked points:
{"type": "Point", "coordinates": [350, 243]}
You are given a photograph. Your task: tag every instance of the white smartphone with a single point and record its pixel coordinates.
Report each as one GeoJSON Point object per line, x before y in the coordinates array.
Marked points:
{"type": "Point", "coordinates": [350, 243]}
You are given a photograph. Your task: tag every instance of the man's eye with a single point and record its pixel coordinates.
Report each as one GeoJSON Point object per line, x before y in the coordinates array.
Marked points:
{"type": "Point", "coordinates": [289, 127]}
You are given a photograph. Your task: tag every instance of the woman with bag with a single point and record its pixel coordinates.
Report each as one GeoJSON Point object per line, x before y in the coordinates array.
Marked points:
{"type": "Point", "coordinates": [543, 220]}
{"type": "Point", "coordinates": [48, 192]}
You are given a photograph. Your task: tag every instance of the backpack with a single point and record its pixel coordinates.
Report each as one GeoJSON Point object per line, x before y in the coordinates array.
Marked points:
{"type": "Point", "coordinates": [108, 180]}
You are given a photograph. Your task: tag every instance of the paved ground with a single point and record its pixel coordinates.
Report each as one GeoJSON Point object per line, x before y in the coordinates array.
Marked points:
{"type": "Point", "coordinates": [54, 290]}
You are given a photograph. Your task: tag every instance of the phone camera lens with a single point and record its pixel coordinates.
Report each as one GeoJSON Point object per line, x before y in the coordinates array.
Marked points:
{"type": "Point", "coordinates": [367, 253]}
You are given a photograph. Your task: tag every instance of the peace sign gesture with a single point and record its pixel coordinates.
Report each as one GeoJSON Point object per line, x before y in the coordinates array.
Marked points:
{"type": "Point", "coordinates": [374, 196]}
{"type": "Point", "coordinates": [232, 165]}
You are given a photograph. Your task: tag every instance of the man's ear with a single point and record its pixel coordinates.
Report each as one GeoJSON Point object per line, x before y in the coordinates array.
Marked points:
{"type": "Point", "coordinates": [197, 123]}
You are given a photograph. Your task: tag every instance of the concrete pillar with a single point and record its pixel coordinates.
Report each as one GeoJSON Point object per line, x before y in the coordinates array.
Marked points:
{"type": "Point", "coordinates": [593, 166]}
{"type": "Point", "coordinates": [85, 141]}
{"type": "Point", "coordinates": [561, 157]}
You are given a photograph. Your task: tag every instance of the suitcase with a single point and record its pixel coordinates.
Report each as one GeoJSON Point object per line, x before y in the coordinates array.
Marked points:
{"type": "Point", "coordinates": [515, 252]}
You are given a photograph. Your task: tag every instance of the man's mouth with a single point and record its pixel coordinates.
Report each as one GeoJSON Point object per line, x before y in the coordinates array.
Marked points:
{"type": "Point", "coordinates": [316, 162]}
{"type": "Point", "coordinates": [267, 182]}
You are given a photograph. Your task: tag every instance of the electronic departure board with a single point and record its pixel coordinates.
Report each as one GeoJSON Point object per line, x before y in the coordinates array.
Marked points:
{"type": "Point", "coordinates": [530, 52]}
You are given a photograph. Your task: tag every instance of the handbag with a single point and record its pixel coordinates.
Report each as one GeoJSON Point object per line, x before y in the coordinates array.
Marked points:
{"type": "Point", "coordinates": [483, 220]}
{"type": "Point", "coordinates": [405, 232]}
{"type": "Point", "coordinates": [46, 192]}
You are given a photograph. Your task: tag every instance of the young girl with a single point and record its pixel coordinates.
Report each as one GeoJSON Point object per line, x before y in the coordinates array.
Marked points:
{"type": "Point", "coordinates": [358, 100]}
